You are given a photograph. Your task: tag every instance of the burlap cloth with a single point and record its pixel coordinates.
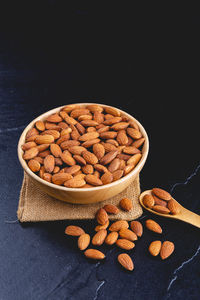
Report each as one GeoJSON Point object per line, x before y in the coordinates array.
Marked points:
{"type": "Point", "coordinates": [35, 205]}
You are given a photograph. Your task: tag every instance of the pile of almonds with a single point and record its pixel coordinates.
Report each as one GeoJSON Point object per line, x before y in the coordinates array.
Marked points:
{"type": "Point", "coordinates": [83, 146]}
{"type": "Point", "coordinates": [119, 234]}
{"type": "Point", "coordinates": [161, 201]}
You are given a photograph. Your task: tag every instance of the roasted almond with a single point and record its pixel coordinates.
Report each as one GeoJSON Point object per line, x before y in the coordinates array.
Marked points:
{"type": "Point", "coordinates": [80, 160]}
{"type": "Point", "coordinates": [159, 201]}
{"type": "Point", "coordinates": [54, 133]}
{"type": "Point", "coordinates": [134, 133]}
{"type": "Point", "coordinates": [69, 120]}
{"type": "Point", "coordinates": [54, 118]}
{"type": "Point", "coordinates": [44, 139]}
{"type": "Point", "coordinates": [173, 206]}
{"type": "Point", "coordinates": [108, 135]}
{"type": "Point", "coordinates": [83, 241]}
{"type": "Point", "coordinates": [138, 143]}
{"type": "Point", "coordinates": [134, 159]}
{"type": "Point", "coordinates": [75, 182]}
{"type": "Point", "coordinates": [55, 150]}
{"type": "Point", "coordinates": [106, 159]}
{"type": "Point", "coordinates": [99, 237]}
{"type": "Point", "coordinates": [73, 169]}
{"type": "Point", "coordinates": [154, 248]}
{"type": "Point", "coordinates": [118, 225]}
{"type": "Point", "coordinates": [111, 238]}
{"type": "Point", "coordinates": [88, 169]}
{"type": "Point", "coordinates": [98, 117]}
{"type": "Point", "coordinates": [112, 121]}
{"type": "Point", "coordinates": [114, 165]}
{"type": "Point", "coordinates": [67, 144]}
{"type": "Point", "coordinates": [74, 230]}
{"type": "Point", "coordinates": [161, 194]}
{"type": "Point", "coordinates": [107, 178]}
{"type": "Point", "coordinates": [100, 168]}
{"type": "Point", "coordinates": [68, 159]}
{"type": "Point", "coordinates": [119, 126]}
{"type": "Point", "coordinates": [125, 244]}
{"type": "Point", "coordinates": [93, 180]}
{"type": "Point", "coordinates": [125, 260]}
{"type": "Point", "coordinates": [99, 150]}
{"type": "Point", "coordinates": [29, 145]}
{"type": "Point", "coordinates": [111, 209]}
{"type": "Point", "coordinates": [94, 254]}
{"type": "Point", "coordinates": [122, 138]}
{"type": "Point", "coordinates": [60, 178]}
{"type": "Point", "coordinates": [89, 136]}
{"type": "Point", "coordinates": [166, 250]}
{"type": "Point", "coordinates": [76, 150]}
{"type": "Point", "coordinates": [90, 143]}
{"type": "Point", "coordinates": [88, 123]}
{"type": "Point", "coordinates": [148, 201]}
{"type": "Point", "coordinates": [30, 153]}
{"type": "Point", "coordinates": [127, 234]}
{"type": "Point", "coordinates": [47, 177]}
{"type": "Point", "coordinates": [34, 165]}
{"type": "Point", "coordinates": [161, 209]}
{"type": "Point", "coordinates": [112, 111]}
{"type": "Point", "coordinates": [85, 117]}
{"type": "Point", "coordinates": [102, 216]}
{"type": "Point", "coordinates": [100, 227]}
{"type": "Point", "coordinates": [137, 228]}
{"type": "Point", "coordinates": [49, 163]}
{"type": "Point", "coordinates": [131, 150]}
{"type": "Point", "coordinates": [75, 113]}
{"type": "Point", "coordinates": [128, 169]}
{"type": "Point", "coordinates": [95, 108]}
{"type": "Point", "coordinates": [117, 174]}
{"type": "Point", "coordinates": [90, 157]}
{"type": "Point", "coordinates": [126, 204]}
{"type": "Point", "coordinates": [153, 226]}
{"type": "Point", "coordinates": [70, 107]}
{"type": "Point", "coordinates": [32, 132]}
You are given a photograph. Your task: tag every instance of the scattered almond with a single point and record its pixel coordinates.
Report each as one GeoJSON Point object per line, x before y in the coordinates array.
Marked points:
{"type": "Point", "coordinates": [111, 209]}
{"type": "Point", "coordinates": [125, 244]}
{"type": "Point", "coordinates": [118, 225]}
{"type": "Point", "coordinates": [153, 226]}
{"type": "Point", "coordinates": [99, 237]}
{"type": "Point", "coordinates": [94, 254]}
{"type": "Point", "coordinates": [137, 228]}
{"type": "Point", "coordinates": [126, 262]}
{"type": "Point", "coordinates": [83, 241]}
{"type": "Point", "coordinates": [154, 248]}
{"type": "Point", "coordinates": [74, 230]}
{"type": "Point", "coordinates": [111, 238]}
{"type": "Point", "coordinates": [161, 194]}
{"type": "Point", "coordinates": [126, 204]}
{"type": "Point", "coordinates": [166, 250]}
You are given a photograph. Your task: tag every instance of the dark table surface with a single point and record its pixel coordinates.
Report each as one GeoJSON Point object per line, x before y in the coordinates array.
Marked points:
{"type": "Point", "coordinates": [37, 260]}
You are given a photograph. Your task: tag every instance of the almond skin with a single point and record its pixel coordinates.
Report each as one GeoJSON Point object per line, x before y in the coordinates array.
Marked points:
{"type": "Point", "coordinates": [166, 250]}
{"type": "Point", "coordinates": [75, 182]}
{"type": "Point", "coordinates": [134, 159]}
{"type": "Point", "coordinates": [111, 238]}
{"type": "Point", "coordinates": [100, 227]}
{"type": "Point", "coordinates": [108, 135]}
{"type": "Point", "coordinates": [127, 234]}
{"type": "Point", "coordinates": [161, 209]}
{"type": "Point", "coordinates": [90, 143]}
{"type": "Point", "coordinates": [114, 165]}
{"type": "Point", "coordinates": [107, 178]}
{"type": "Point", "coordinates": [34, 165]}
{"type": "Point", "coordinates": [99, 237]}
{"type": "Point", "coordinates": [88, 169]}
{"type": "Point", "coordinates": [55, 150]}
{"type": "Point", "coordinates": [125, 244]}
{"type": "Point", "coordinates": [137, 228]}
{"type": "Point", "coordinates": [119, 126]}
{"type": "Point", "coordinates": [112, 111]}
{"type": "Point", "coordinates": [111, 209]}
{"type": "Point", "coordinates": [30, 153]}
{"type": "Point", "coordinates": [54, 118]}
{"type": "Point", "coordinates": [126, 262]}
{"type": "Point", "coordinates": [134, 133]}
{"type": "Point", "coordinates": [173, 206]}
{"type": "Point", "coordinates": [131, 150]}
{"type": "Point", "coordinates": [153, 226]}
{"type": "Point", "coordinates": [74, 230]}
{"type": "Point", "coordinates": [49, 163]}
{"type": "Point", "coordinates": [94, 254]}
{"type": "Point", "coordinates": [29, 145]}
{"type": "Point", "coordinates": [148, 201]}
{"type": "Point", "coordinates": [98, 150]}
{"type": "Point", "coordinates": [117, 174]}
{"type": "Point", "coordinates": [122, 137]}
{"type": "Point", "coordinates": [108, 157]}
{"type": "Point", "coordinates": [72, 169]}
{"type": "Point", "coordinates": [161, 194]}
{"type": "Point", "coordinates": [118, 225]}
{"type": "Point", "coordinates": [126, 204]}
{"type": "Point", "coordinates": [44, 139]}
{"type": "Point", "coordinates": [83, 241]}
{"type": "Point", "coordinates": [89, 157]}
{"type": "Point", "coordinates": [75, 113]}
{"type": "Point", "coordinates": [60, 178]}
{"type": "Point", "coordinates": [77, 150]}
{"type": "Point", "coordinates": [68, 159]}
{"type": "Point", "coordinates": [154, 248]}
{"type": "Point", "coordinates": [89, 136]}
{"type": "Point", "coordinates": [102, 216]}
{"type": "Point", "coordinates": [159, 201]}
{"type": "Point", "coordinates": [93, 180]}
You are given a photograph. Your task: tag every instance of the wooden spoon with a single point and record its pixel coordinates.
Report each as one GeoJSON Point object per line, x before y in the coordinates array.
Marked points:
{"type": "Point", "coordinates": [184, 215]}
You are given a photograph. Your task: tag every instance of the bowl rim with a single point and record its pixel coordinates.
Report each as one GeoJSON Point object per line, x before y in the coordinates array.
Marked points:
{"type": "Point", "coordinates": [97, 188]}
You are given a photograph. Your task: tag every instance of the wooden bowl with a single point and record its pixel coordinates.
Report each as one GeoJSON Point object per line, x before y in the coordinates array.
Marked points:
{"type": "Point", "coordinates": [80, 195]}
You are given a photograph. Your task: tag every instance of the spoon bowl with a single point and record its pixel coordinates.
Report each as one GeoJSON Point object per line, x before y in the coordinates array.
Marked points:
{"type": "Point", "coordinates": [184, 215]}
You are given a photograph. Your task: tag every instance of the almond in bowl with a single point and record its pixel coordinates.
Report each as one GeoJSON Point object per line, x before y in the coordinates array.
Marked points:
{"type": "Point", "coordinates": [101, 148]}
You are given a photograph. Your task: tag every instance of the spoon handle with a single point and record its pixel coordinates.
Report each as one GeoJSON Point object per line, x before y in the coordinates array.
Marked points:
{"type": "Point", "coordinates": [191, 218]}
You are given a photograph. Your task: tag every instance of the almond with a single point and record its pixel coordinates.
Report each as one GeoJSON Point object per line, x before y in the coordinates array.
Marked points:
{"type": "Point", "coordinates": [99, 237]}
{"type": "Point", "coordinates": [128, 169]}
{"type": "Point", "coordinates": [49, 163]}
{"type": "Point", "coordinates": [58, 161]}
{"type": "Point", "coordinates": [102, 216]}
{"type": "Point", "coordinates": [94, 254]}
{"type": "Point", "coordinates": [63, 139]}
{"type": "Point", "coordinates": [119, 126]}
{"type": "Point", "coordinates": [117, 174]}
{"type": "Point", "coordinates": [126, 204]}
{"type": "Point", "coordinates": [80, 160]}
{"type": "Point", "coordinates": [112, 121]}
{"type": "Point", "coordinates": [47, 177]}
{"type": "Point", "coordinates": [88, 169]}
{"type": "Point", "coordinates": [85, 117]}
{"type": "Point", "coordinates": [103, 128]}
{"type": "Point", "coordinates": [40, 125]}
{"type": "Point", "coordinates": [89, 157]}
{"type": "Point", "coordinates": [75, 113]}
{"type": "Point", "coordinates": [88, 123]}
{"type": "Point", "coordinates": [54, 118]}
{"type": "Point", "coordinates": [44, 139]}
{"type": "Point", "coordinates": [173, 206]}
{"type": "Point", "coordinates": [107, 178]}
{"type": "Point", "coordinates": [69, 120]}
{"type": "Point", "coordinates": [161, 194]}
{"type": "Point", "coordinates": [99, 150]}
{"type": "Point", "coordinates": [77, 150]}
{"type": "Point", "coordinates": [93, 180]}
{"type": "Point", "coordinates": [83, 241]}
{"type": "Point", "coordinates": [111, 238]}
{"type": "Point", "coordinates": [108, 135]}
{"type": "Point", "coordinates": [122, 138]}
{"type": "Point", "coordinates": [138, 142]}
{"type": "Point", "coordinates": [108, 147]}
{"type": "Point", "coordinates": [43, 154]}
{"type": "Point", "coordinates": [74, 230]}
{"type": "Point", "coordinates": [134, 159]}
{"type": "Point", "coordinates": [100, 168]}
{"type": "Point", "coordinates": [80, 128]}
{"type": "Point", "coordinates": [68, 159]}
{"type": "Point", "coordinates": [148, 201]}
{"type": "Point", "coordinates": [34, 165]}
{"type": "Point", "coordinates": [100, 227]}
{"type": "Point", "coordinates": [133, 124]}
{"type": "Point", "coordinates": [90, 143]}
{"type": "Point", "coordinates": [112, 111]}
{"type": "Point", "coordinates": [70, 107]}
{"type": "Point", "coordinates": [95, 108]}
{"type": "Point", "coordinates": [54, 133]}
{"type": "Point", "coordinates": [114, 165]}
{"type": "Point", "coordinates": [111, 209]}
{"type": "Point", "coordinates": [42, 147]}
{"type": "Point", "coordinates": [56, 170]}
{"type": "Point", "coordinates": [161, 209]}
{"type": "Point", "coordinates": [118, 225]}
{"type": "Point", "coordinates": [60, 178]}
{"type": "Point", "coordinates": [72, 169]}
{"type": "Point", "coordinates": [131, 150]}
{"type": "Point", "coordinates": [66, 144]}
{"type": "Point", "coordinates": [153, 226]}
{"type": "Point", "coordinates": [154, 248]}
{"type": "Point", "coordinates": [39, 159]}
{"type": "Point", "coordinates": [167, 249]}
{"type": "Point", "coordinates": [137, 228]}
{"type": "Point", "coordinates": [159, 201]}
{"type": "Point", "coordinates": [113, 142]}
{"type": "Point", "coordinates": [125, 244]}
{"type": "Point", "coordinates": [55, 150]}
{"type": "Point", "coordinates": [127, 234]}
{"type": "Point", "coordinates": [89, 136]}
{"type": "Point", "coordinates": [134, 133]}
{"type": "Point", "coordinates": [32, 132]}
{"type": "Point", "coordinates": [98, 117]}
{"type": "Point", "coordinates": [75, 182]}
{"type": "Point", "coordinates": [106, 159]}
{"type": "Point", "coordinates": [123, 156]}
{"type": "Point", "coordinates": [30, 153]}
{"type": "Point", "coordinates": [29, 145]}
{"type": "Point", "coordinates": [126, 262]}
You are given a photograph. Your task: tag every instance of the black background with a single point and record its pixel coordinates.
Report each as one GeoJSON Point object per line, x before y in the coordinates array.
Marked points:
{"type": "Point", "coordinates": [144, 60]}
